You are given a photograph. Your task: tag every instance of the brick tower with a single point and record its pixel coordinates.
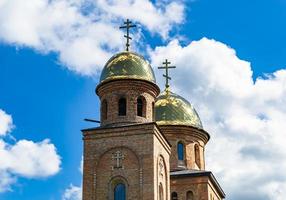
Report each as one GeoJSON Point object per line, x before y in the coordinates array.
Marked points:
{"type": "Point", "coordinates": [127, 157]}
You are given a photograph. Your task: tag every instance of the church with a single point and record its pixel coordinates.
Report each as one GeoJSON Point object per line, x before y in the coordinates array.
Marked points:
{"type": "Point", "coordinates": [150, 145]}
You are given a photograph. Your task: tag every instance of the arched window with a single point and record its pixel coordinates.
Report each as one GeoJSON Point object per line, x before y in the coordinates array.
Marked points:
{"type": "Point", "coordinates": [122, 107]}
{"type": "Point", "coordinates": [104, 109]}
{"type": "Point", "coordinates": [140, 107]}
{"type": "Point", "coordinates": [120, 192]}
{"type": "Point", "coordinates": [190, 195]}
{"type": "Point", "coordinates": [174, 196]}
{"type": "Point", "coordinates": [180, 150]}
{"type": "Point", "coordinates": [197, 155]}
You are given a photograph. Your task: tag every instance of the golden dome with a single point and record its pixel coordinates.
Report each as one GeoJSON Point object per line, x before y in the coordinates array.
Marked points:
{"type": "Point", "coordinates": [172, 109]}
{"type": "Point", "coordinates": [127, 65]}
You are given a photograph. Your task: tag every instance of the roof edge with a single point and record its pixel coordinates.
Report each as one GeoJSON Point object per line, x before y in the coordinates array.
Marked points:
{"type": "Point", "coordinates": [127, 79]}
{"type": "Point", "coordinates": [187, 126]}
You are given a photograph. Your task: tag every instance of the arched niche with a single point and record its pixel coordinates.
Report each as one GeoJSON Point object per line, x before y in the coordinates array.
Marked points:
{"type": "Point", "coordinates": [117, 162]}
{"type": "Point", "coordinates": [162, 179]}
{"type": "Point", "coordinates": [189, 195]}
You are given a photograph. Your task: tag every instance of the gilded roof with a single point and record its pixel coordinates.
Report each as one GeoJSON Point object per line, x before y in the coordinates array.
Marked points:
{"type": "Point", "coordinates": [127, 65]}
{"type": "Point", "coordinates": [172, 109]}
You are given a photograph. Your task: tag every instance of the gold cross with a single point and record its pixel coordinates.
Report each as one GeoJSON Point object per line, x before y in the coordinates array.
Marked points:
{"type": "Point", "coordinates": [128, 25]}
{"type": "Point", "coordinates": [167, 67]}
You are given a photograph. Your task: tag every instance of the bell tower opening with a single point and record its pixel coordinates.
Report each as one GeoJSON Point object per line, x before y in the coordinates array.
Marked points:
{"type": "Point", "coordinates": [122, 107]}
{"type": "Point", "coordinates": [140, 107]}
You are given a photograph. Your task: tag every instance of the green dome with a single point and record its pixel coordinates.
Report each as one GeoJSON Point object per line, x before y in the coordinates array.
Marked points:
{"type": "Point", "coordinates": [127, 65]}
{"type": "Point", "coordinates": [172, 109]}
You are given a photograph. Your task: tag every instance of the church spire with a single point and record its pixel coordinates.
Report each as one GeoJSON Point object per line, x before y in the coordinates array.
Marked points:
{"type": "Point", "coordinates": [127, 24]}
{"type": "Point", "coordinates": [166, 66]}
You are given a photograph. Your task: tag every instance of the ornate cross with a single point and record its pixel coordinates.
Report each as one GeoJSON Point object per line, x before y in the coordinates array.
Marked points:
{"type": "Point", "coordinates": [128, 25]}
{"type": "Point", "coordinates": [167, 67]}
{"type": "Point", "coordinates": [118, 157]}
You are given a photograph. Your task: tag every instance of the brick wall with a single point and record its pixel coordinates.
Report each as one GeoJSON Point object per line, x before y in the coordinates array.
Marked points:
{"type": "Point", "coordinates": [140, 144]}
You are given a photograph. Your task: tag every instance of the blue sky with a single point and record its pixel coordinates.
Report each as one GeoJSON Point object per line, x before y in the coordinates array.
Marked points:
{"type": "Point", "coordinates": [47, 85]}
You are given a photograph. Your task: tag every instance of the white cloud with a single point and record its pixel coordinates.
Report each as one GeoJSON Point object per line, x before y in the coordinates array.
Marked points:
{"type": "Point", "coordinates": [245, 118]}
{"type": "Point", "coordinates": [6, 181]}
{"type": "Point", "coordinates": [26, 159]}
{"type": "Point", "coordinates": [73, 193]}
{"type": "Point", "coordinates": [6, 123]}
{"type": "Point", "coordinates": [158, 19]}
{"type": "Point", "coordinates": [29, 159]}
{"type": "Point", "coordinates": [83, 33]}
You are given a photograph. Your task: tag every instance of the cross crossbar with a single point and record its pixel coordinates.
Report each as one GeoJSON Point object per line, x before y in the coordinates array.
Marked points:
{"type": "Point", "coordinates": [166, 75]}
{"type": "Point", "coordinates": [128, 25]}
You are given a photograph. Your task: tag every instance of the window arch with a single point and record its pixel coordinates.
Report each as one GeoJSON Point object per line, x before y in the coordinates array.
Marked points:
{"type": "Point", "coordinates": [197, 155]}
{"type": "Point", "coordinates": [104, 109]}
{"type": "Point", "coordinates": [119, 192]}
{"type": "Point", "coordinates": [180, 151]}
{"type": "Point", "coordinates": [122, 107]}
{"type": "Point", "coordinates": [140, 105]}
{"type": "Point", "coordinates": [190, 195]}
{"type": "Point", "coordinates": [174, 196]}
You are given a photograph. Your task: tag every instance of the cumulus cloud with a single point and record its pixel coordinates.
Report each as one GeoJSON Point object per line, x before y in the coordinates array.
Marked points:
{"type": "Point", "coordinates": [6, 181]}
{"type": "Point", "coordinates": [244, 117]}
{"type": "Point", "coordinates": [25, 158]}
{"type": "Point", "coordinates": [6, 123]}
{"type": "Point", "coordinates": [158, 19]}
{"type": "Point", "coordinates": [29, 159]}
{"type": "Point", "coordinates": [73, 193]}
{"type": "Point", "coordinates": [83, 33]}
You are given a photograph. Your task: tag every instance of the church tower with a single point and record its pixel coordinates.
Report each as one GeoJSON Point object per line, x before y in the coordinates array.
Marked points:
{"type": "Point", "coordinates": [127, 156]}
{"type": "Point", "coordinates": [149, 145]}
{"type": "Point", "coordinates": [181, 125]}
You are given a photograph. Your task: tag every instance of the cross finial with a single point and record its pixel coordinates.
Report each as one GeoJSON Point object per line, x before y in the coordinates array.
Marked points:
{"type": "Point", "coordinates": [166, 75]}
{"type": "Point", "coordinates": [127, 24]}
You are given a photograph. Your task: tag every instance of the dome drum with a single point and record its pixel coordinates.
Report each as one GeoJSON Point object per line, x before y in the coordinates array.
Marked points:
{"type": "Point", "coordinates": [110, 94]}
{"type": "Point", "coordinates": [191, 137]}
